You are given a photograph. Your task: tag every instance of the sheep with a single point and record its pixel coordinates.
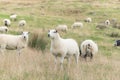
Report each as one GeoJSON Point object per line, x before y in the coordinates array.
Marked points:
{"type": "Point", "coordinates": [88, 48]}
{"type": "Point", "coordinates": [7, 22]}
{"type": "Point", "coordinates": [13, 17]}
{"type": "Point", "coordinates": [13, 42]}
{"type": "Point", "coordinates": [117, 43]}
{"type": "Point", "coordinates": [107, 22]}
{"type": "Point", "coordinates": [63, 48]}
{"type": "Point", "coordinates": [88, 20]}
{"type": "Point", "coordinates": [77, 24]}
{"type": "Point", "coordinates": [62, 28]}
{"type": "Point", "coordinates": [103, 25]}
{"type": "Point", "coordinates": [3, 29]}
{"type": "Point", "coordinates": [22, 23]}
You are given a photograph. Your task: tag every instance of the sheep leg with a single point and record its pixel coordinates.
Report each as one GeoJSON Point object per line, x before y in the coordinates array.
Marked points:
{"type": "Point", "coordinates": [68, 59]}
{"type": "Point", "coordinates": [2, 48]}
{"type": "Point", "coordinates": [55, 62]}
{"type": "Point", "coordinates": [91, 57]}
{"type": "Point", "coordinates": [61, 63]}
{"type": "Point", "coordinates": [85, 56]}
{"type": "Point", "coordinates": [77, 57]}
{"type": "Point", "coordinates": [19, 51]}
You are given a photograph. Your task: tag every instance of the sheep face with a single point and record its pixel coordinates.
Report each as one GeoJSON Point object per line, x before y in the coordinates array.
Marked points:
{"type": "Point", "coordinates": [25, 35]}
{"type": "Point", "coordinates": [52, 34]}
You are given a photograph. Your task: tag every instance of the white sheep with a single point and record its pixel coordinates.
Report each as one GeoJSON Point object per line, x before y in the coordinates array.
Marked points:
{"type": "Point", "coordinates": [13, 42]}
{"type": "Point", "coordinates": [63, 48]}
{"type": "Point", "coordinates": [62, 28]}
{"type": "Point", "coordinates": [88, 20]}
{"type": "Point", "coordinates": [22, 23]}
{"type": "Point", "coordinates": [6, 22]}
{"type": "Point", "coordinates": [88, 48]}
{"type": "Point", "coordinates": [3, 29]}
{"type": "Point", "coordinates": [107, 22]}
{"type": "Point", "coordinates": [13, 17]}
{"type": "Point", "coordinates": [77, 24]}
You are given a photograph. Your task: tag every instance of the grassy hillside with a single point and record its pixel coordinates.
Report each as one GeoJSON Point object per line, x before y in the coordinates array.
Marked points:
{"type": "Point", "coordinates": [42, 15]}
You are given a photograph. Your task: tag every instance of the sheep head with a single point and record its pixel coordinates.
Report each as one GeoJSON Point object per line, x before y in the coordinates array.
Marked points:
{"type": "Point", "coordinates": [53, 34]}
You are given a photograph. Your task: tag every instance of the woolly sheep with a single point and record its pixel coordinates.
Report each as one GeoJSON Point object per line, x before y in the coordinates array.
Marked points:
{"type": "Point", "coordinates": [88, 48]}
{"type": "Point", "coordinates": [103, 25]}
{"type": "Point", "coordinates": [77, 24]}
{"type": "Point", "coordinates": [13, 17]}
{"type": "Point", "coordinates": [3, 29]}
{"type": "Point", "coordinates": [6, 22]}
{"type": "Point", "coordinates": [107, 22]}
{"type": "Point", "coordinates": [63, 48]}
{"type": "Point", "coordinates": [62, 28]}
{"type": "Point", "coordinates": [117, 43]}
{"type": "Point", "coordinates": [88, 20]}
{"type": "Point", "coordinates": [22, 23]}
{"type": "Point", "coordinates": [13, 42]}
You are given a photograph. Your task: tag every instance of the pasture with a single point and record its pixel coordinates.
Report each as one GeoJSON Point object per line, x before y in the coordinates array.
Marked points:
{"type": "Point", "coordinates": [37, 63]}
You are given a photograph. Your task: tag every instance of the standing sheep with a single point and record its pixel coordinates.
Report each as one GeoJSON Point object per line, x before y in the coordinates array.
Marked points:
{"type": "Point", "coordinates": [22, 23]}
{"type": "Point", "coordinates": [13, 17]}
{"type": "Point", "coordinates": [88, 20]}
{"type": "Point", "coordinates": [62, 28]}
{"type": "Point", "coordinates": [77, 24]}
{"type": "Point", "coordinates": [88, 49]}
{"type": "Point", "coordinates": [3, 29]}
{"type": "Point", "coordinates": [13, 42]}
{"type": "Point", "coordinates": [7, 22]}
{"type": "Point", "coordinates": [63, 48]}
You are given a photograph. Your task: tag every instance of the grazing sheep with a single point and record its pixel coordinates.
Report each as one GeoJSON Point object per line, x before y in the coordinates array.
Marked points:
{"type": "Point", "coordinates": [77, 24]}
{"type": "Point", "coordinates": [117, 43]}
{"type": "Point", "coordinates": [88, 20]}
{"type": "Point", "coordinates": [13, 17]}
{"type": "Point", "coordinates": [107, 22]}
{"type": "Point", "coordinates": [88, 49]}
{"type": "Point", "coordinates": [103, 25]}
{"type": "Point", "coordinates": [22, 23]}
{"type": "Point", "coordinates": [3, 29]}
{"type": "Point", "coordinates": [6, 22]}
{"type": "Point", "coordinates": [63, 48]}
{"type": "Point", "coordinates": [13, 42]}
{"type": "Point", "coordinates": [62, 28]}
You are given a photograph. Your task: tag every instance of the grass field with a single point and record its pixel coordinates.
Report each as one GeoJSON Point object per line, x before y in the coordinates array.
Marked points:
{"type": "Point", "coordinates": [42, 15]}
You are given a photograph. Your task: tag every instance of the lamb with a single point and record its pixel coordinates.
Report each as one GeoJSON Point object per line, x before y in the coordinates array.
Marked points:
{"type": "Point", "coordinates": [88, 48]}
{"type": "Point", "coordinates": [77, 24]}
{"type": "Point", "coordinates": [63, 48]}
{"type": "Point", "coordinates": [62, 28]}
{"type": "Point", "coordinates": [13, 17]}
{"type": "Point", "coordinates": [13, 42]}
{"type": "Point", "coordinates": [3, 29]}
{"type": "Point", "coordinates": [7, 22]}
{"type": "Point", "coordinates": [22, 23]}
{"type": "Point", "coordinates": [88, 20]}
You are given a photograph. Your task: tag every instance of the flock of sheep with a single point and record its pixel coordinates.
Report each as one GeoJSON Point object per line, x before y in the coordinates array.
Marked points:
{"type": "Point", "coordinates": [12, 42]}
{"type": "Point", "coordinates": [65, 48]}
{"type": "Point", "coordinates": [62, 48]}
